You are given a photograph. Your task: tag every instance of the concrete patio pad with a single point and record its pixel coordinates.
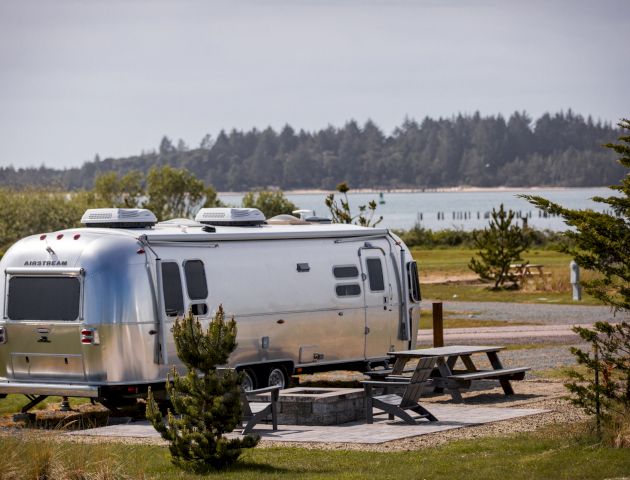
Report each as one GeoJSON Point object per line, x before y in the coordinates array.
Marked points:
{"type": "Point", "coordinates": [383, 430]}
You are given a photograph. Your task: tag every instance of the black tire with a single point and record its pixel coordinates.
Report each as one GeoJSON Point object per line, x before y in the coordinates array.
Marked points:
{"type": "Point", "coordinates": [277, 375]}
{"type": "Point", "coordinates": [250, 380]}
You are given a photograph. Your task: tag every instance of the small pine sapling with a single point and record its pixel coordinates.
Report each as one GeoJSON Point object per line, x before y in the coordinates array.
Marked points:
{"type": "Point", "coordinates": [207, 402]}
{"type": "Point", "coordinates": [605, 390]}
{"type": "Point", "coordinates": [499, 245]}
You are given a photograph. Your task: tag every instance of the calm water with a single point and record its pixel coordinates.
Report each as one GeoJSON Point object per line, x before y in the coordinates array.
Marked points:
{"type": "Point", "coordinates": [457, 210]}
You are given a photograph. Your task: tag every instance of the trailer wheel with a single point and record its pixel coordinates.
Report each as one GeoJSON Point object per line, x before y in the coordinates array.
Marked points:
{"type": "Point", "coordinates": [250, 382]}
{"type": "Point", "coordinates": [277, 375]}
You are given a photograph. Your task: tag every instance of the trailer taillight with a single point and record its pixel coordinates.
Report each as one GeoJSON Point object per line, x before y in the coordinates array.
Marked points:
{"type": "Point", "coordinates": [89, 336]}
{"type": "Point", "coordinates": [3, 335]}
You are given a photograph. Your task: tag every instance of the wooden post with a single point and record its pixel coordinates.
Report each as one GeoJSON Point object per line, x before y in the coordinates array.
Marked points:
{"type": "Point", "coordinates": [438, 325]}
{"type": "Point", "coordinates": [597, 402]}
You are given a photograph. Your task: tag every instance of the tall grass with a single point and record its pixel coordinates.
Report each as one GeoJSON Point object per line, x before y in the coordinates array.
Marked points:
{"type": "Point", "coordinates": [51, 460]}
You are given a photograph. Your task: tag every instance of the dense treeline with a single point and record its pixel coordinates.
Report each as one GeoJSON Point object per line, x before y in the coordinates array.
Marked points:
{"type": "Point", "coordinates": [555, 150]}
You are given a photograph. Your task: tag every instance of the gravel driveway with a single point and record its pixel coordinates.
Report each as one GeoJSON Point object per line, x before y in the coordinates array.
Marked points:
{"type": "Point", "coordinates": [532, 312]}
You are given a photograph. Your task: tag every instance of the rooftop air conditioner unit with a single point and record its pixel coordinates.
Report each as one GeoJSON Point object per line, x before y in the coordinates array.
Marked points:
{"type": "Point", "coordinates": [118, 218]}
{"type": "Point", "coordinates": [238, 217]}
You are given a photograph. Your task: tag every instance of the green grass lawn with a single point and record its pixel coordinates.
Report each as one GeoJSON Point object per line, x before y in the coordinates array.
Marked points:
{"type": "Point", "coordinates": [479, 293]}
{"type": "Point", "coordinates": [453, 262]}
{"type": "Point", "coordinates": [560, 453]}
{"type": "Point", "coordinates": [438, 261]}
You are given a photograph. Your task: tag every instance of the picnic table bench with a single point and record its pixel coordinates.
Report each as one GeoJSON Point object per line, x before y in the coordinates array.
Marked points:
{"type": "Point", "coordinates": [446, 377]}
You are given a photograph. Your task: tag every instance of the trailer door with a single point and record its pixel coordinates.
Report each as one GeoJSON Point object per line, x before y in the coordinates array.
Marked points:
{"type": "Point", "coordinates": [170, 304]}
{"type": "Point", "coordinates": [377, 292]}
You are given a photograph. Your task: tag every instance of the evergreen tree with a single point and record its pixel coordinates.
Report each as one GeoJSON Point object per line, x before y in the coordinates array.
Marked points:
{"type": "Point", "coordinates": [600, 241]}
{"type": "Point", "coordinates": [166, 146]}
{"type": "Point", "coordinates": [608, 394]}
{"type": "Point", "coordinates": [206, 142]}
{"type": "Point", "coordinates": [500, 245]}
{"type": "Point", "coordinates": [208, 403]}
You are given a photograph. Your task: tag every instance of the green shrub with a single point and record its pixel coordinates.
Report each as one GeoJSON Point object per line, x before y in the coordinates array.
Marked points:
{"type": "Point", "coordinates": [342, 213]}
{"type": "Point", "coordinates": [271, 203]}
{"type": "Point", "coordinates": [604, 390]}
{"type": "Point", "coordinates": [207, 402]}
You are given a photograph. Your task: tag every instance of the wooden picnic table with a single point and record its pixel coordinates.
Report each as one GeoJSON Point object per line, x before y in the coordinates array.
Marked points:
{"type": "Point", "coordinates": [524, 270]}
{"type": "Point", "coordinates": [455, 380]}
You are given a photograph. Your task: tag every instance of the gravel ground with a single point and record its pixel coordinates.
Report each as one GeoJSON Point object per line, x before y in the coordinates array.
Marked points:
{"type": "Point", "coordinates": [539, 358]}
{"type": "Point", "coordinates": [530, 394]}
{"type": "Point", "coordinates": [532, 312]}
{"type": "Point", "coordinates": [541, 395]}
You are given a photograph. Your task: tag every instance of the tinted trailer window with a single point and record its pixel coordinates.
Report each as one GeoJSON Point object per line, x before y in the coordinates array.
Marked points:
{"type": "Point", "coordinates": [43, 298]}
{"type": "Point", "coordinates": [172, 285]}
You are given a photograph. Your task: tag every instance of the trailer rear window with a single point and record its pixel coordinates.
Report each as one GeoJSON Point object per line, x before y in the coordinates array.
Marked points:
{"type": "Point", "coordinates": [413, 282]}
{"type": "Point", "coordinates": [43, 298]}
{"type": "Point", "coordinates": [172, 285]}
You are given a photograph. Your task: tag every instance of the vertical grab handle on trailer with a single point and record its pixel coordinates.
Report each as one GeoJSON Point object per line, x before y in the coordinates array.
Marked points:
{"type": "Point", "coordinates": [405, 327]}
{"type": "Point", "coordinates": [160, 313]}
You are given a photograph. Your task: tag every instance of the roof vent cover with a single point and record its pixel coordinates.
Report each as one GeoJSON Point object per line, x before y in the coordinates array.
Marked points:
{"type": "Point", "coordinates": [238, 217]}
{"type": "Point", "coordinates": [118, 218]}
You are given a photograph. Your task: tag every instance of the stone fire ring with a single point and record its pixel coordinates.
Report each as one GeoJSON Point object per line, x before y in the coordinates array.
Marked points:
{"type": "Point", "coordinates": [320, 406]}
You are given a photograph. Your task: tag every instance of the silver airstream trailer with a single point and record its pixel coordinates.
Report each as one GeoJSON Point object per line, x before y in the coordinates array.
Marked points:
{"type": "Point", "coordinates": [88, 312]}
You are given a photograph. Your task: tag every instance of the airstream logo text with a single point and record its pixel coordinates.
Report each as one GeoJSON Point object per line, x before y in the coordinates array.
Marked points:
{"type": "Point", "coordinates": [46, 263]}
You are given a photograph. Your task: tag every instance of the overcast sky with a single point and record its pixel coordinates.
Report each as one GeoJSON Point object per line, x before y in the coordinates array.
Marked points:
{"type": "Point", "coordinates": [84, 77]}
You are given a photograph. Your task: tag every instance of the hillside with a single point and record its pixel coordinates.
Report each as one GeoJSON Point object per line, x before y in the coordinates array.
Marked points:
{"type": "Point", "coordinates": [563, 149]}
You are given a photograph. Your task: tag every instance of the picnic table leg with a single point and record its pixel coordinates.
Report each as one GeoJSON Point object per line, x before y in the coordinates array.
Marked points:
{"type": "Point", "coordinates": [470, 366]}
{"type": "Point", "coordinates": [452, 361]}
{"type": "Point", "coordinates": [399, 365]}
{"type": "Point", "coordinates": [445, 372]}
{"type": "Point", "coordinates": [496, 364]}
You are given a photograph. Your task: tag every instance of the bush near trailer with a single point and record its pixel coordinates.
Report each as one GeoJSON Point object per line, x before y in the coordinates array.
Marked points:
{"type": "Point", "coordinates": [207, 403]}
{"type": "Point", "coordinates": [270, 203]}
{"type": "Point", "coordinates": [342, 213]}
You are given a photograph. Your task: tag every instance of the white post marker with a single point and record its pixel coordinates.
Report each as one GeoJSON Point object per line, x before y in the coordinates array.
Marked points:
{"type": "Point", "coordinates": [575, 280]}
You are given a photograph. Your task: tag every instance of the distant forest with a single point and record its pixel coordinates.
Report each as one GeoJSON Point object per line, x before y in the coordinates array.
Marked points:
{"type": "Point", "coordinates": [563, 149]}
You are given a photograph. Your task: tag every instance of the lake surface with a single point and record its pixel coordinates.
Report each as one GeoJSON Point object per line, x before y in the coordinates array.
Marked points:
{"type": "Point", "coordinates": [464, 210]}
